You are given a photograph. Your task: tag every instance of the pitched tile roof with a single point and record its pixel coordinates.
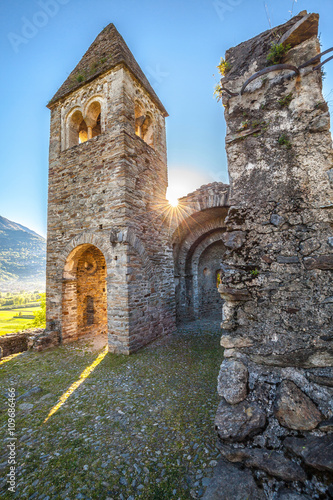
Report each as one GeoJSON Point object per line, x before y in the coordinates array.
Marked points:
{"type": "Point", "coordinates": [107, 51]}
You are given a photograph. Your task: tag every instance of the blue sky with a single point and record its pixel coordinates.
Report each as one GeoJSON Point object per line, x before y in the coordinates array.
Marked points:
{"type": "Point", "coordinates": [177, 44]}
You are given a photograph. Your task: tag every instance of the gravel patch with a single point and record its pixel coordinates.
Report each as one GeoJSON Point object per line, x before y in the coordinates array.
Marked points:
{"type": "Point", "coordinates": [137, 427]}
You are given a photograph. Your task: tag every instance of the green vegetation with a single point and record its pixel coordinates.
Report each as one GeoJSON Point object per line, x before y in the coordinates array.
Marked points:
{"type": "Point", "coordinates": [20, 311]}
{"type": "Point", "coordinates": [276, 54]}
{"type": "Point", "coordinates": [284, 141]}
{"type": "Point", "coordinates": [16, 320]}
{"type": "Point", "coordinates": [79, 78]}
{"type": "Point", "coordinates": [285, 101]}
{"type": "Point", "coordinates": [218, 91]}
{"type": "Point", "coordinates": [40, 315]}
{"type": "Point", "coordinates": [254, 273]}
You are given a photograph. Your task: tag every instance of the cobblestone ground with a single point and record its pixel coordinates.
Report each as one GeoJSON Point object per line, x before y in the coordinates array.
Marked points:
{"type": "Point", "coordinates": [136, 427]}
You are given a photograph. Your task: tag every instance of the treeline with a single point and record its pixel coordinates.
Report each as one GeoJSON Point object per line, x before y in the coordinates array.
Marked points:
{"type": "Point", "coordinates": [19, 300]}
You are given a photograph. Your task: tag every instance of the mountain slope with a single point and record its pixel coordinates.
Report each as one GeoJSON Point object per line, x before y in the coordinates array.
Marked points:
{"type": "Point", "coordinates": [22, 253]}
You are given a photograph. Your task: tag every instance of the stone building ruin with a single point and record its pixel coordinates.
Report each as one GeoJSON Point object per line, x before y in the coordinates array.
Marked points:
{"type": "Point", "coordinates": [121, 261]}
{"type": "Point", "coordinates": [110, 250]}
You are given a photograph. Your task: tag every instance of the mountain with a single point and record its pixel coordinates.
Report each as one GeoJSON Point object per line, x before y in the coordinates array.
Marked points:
{"type": "Point", "coordinates": [22, 255]}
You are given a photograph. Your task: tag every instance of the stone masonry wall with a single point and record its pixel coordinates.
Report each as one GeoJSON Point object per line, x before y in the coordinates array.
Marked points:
{"type": "Point", "coordinates": [109, 194]}
{"type": "Point", "coordinates": [276, 381]}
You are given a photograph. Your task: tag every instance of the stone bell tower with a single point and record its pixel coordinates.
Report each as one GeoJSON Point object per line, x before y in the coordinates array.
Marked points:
{"type": "Point", "coordinates": [109, 265]}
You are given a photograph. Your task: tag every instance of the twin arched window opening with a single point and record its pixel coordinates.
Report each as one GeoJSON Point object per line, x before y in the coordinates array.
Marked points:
{"type": "Point", "coordinates": [82, 128]}
{"type": "Point", "coordinates": [144, 125]}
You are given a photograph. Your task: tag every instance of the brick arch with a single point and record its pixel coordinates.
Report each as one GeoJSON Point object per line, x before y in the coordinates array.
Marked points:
{"type": "Point", "coordinates": [191, 240]}
{"type": "Point", "coordinates": [187, 282]}
{"type": "Point", "coordinates": [211, 238]}
{"type": "Point", "coordinates": [84, 292]}
{"type": "Point", "coordinates": [87, 238]}
{"type": "Point", "coordinates": [209, 196]}
{"type": "Point", "coordinates": [193, 265]}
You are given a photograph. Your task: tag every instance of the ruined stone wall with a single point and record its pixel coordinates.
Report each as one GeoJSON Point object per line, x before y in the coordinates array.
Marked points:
{"type": "Point", "coordinates": [276, 379]}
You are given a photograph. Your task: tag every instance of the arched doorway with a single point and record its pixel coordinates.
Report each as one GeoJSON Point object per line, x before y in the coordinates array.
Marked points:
{"type": "Point", "coordinates": [209, 271]}
{"type": "Point", "coordinates": [84, 298]}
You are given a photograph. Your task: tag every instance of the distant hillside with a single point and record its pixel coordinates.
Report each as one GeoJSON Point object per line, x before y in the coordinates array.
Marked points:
{"type": "Point", "coordinates": [22, 254]}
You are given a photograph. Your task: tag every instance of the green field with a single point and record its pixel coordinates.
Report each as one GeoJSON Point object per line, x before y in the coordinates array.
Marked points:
{"type": "Point", "coordinates": [10, 322]}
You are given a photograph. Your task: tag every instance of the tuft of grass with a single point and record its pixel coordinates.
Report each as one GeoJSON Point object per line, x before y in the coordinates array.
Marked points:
{"type": "Point", "coordinates": [276, 53]}
{"type": "Point", "coordinates": [80, 78]}
{"type": "Point", "coordinates": [285, 101]}
{"type": "Point", "coordinates": [254, 273]}
{"type": "Point", "coordinates": [284, 141]}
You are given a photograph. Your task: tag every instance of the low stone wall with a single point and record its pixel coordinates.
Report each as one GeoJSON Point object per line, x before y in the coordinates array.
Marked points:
{"type": "Point", "coordinates": [33, 339]}
{"type": "Point", "coordinates": [12, 343]}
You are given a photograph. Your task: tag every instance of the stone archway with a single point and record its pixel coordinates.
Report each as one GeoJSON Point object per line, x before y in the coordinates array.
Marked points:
{"type": "Point", "coordinates": [202, 264]}
{"type": "Point", "coordinates": [84, 297]}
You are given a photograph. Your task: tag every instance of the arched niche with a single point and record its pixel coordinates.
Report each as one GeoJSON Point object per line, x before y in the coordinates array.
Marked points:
{"type": "Point", "coordinates": [84, 298]}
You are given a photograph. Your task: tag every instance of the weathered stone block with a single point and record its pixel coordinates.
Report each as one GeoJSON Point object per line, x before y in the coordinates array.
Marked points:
{"type": "Point", "coordinates": [304, 29]}
{"type": "Point", "coordinates": [232, 381]}
{"type": "Point", "coordinates": [234, 294]}
{"type": "Point", "coordinates": [294, 409]}
{"type": "Point", "coordinates": [317, 452]}
{"type": "Point", "coordinates": [321, 123]}
{"type": "Point", "coordinates": [230, 342]}
{"type": "Point", "coordinates": [270, 461]}
{"type": "Point", "coordinates": [234, 239]}
{"type": "Point", "coordinates": [230, 482]}
{"type": "Point", "coordinates": [324, 262]}
{"type": "Point", "coordinates": [309, 246]}
{"type": "Point", "coordinates": [236, 422]}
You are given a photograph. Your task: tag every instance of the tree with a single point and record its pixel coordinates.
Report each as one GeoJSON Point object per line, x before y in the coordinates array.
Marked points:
{"type": "Point", "coordinates": [40, 316]}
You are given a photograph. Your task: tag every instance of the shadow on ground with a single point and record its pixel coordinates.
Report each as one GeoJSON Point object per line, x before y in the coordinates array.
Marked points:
{"type": "Point", "coordinates": [137, 427]}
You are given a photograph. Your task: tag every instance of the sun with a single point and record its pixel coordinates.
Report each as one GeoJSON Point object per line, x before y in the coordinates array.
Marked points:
{"type": "Point", "coordinates": [173, 202]}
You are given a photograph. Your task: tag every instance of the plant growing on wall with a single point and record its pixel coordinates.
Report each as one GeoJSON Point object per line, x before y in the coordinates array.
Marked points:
{"type": "Point", "coordinates": [224, 67]}
{"type": "Point", "coordinates": [284, 141]}
{"type": "Point", "coordinates": [276, 53]}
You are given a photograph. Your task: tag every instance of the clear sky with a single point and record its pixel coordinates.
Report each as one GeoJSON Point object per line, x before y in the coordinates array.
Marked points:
{"type": "Point", "coordinates": [177, 43]}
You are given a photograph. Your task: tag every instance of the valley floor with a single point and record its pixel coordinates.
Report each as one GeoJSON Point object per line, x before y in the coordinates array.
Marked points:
{"type": "Point", "coordinates": [133, 427]}
{"type": "Point", "coordinates": [14, 320]}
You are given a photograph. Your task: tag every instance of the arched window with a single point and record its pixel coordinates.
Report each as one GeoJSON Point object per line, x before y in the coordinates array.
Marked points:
{"type": "Point", "coordinates": [89, 310]}
{"type": "Point", "coordinates": [77, 131]}
{"type": "Point", "coordinates": [139, 119]}
{"type": "Point", "coordinates": [148, 130]}
{"type": "Point", "coordinates": [93, 119]}
{"type": "Point", "coordinates": [83, 132]}
{"type": "Point", "coordinates": [144, 124]}
{"type": "Point", "coordinates": [83, 125]}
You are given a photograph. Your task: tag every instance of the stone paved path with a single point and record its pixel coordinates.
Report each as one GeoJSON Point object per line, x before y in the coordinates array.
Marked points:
{"type": "Point", "coordinates": [136, 427]}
